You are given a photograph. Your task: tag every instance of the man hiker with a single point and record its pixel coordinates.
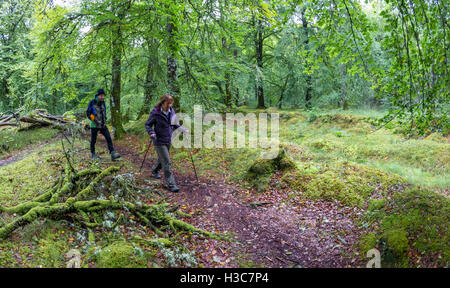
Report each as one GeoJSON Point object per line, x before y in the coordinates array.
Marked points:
{"type": "Point", "coordinates": [162, 118]}
{"type": "Point", "coordinates": [96, 112]}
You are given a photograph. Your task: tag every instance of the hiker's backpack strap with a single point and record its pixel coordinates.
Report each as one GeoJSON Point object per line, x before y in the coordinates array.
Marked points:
{"type": "Point", "coordinates": [90, 110]}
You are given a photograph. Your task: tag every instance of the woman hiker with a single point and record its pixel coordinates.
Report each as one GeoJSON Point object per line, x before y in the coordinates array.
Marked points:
{"type": "Point", "coordinates": [96, 112]}
{"type": "Point", "coordinates": [162, 118]}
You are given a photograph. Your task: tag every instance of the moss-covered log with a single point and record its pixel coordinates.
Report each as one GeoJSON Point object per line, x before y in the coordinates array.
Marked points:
{"type": "Point", "coordinates": [68, 196]}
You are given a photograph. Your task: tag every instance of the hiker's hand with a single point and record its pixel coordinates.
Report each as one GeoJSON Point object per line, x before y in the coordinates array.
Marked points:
{"type": "Point", "coordinates": [153, 136]}
{"type": "Point", "coordinates": [184, 130]}
{"type": "Point", "coordinates": [92, 117]}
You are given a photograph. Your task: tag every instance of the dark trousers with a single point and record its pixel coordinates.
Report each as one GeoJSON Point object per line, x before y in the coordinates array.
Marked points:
{"type": "Point", "coordinates": [105, 132]}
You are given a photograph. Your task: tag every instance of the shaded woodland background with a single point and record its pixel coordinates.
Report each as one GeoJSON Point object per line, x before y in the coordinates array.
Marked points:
{"type": "Point", "coordinates": [389, 55]}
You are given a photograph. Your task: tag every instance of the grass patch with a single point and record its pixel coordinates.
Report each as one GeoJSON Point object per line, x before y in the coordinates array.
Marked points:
{"type": "Point", "coordinates": [25, 179]}
{"type": "Point", "coordinates": [11, 140]}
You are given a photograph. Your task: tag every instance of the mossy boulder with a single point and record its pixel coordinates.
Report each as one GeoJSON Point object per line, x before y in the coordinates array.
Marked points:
{"type": "Point", "coordinates": [330, 186]}
{"type": "Point", "coordinates": [349, 183]}
{"type": "Point", "coordinates": [417, 220]}
{"type": "Point", "coordinates": [261, 170]}
{"type": "Point", "coordinates": [120, 255]}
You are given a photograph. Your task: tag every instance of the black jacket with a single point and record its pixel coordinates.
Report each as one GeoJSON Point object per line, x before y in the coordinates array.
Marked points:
{"type": "Point", "coordinates": [163, 125]}
{"type": "Point", "coordinates": [98, 109]}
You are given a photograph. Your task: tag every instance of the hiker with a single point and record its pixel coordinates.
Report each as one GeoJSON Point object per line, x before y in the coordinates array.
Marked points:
{"type": "Point", "coordinates": [162, 118]}
{"type": "Point", "coordinates": [96, 113]}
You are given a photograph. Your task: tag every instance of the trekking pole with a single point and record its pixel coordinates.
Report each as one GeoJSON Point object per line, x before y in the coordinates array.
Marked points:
{"type": "Point", "coordinates": [195, 171]}
{"type": "Point", "coordinates": [145, 156]}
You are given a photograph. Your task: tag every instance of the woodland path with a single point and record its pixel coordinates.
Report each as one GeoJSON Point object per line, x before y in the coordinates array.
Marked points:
{"type": "Point", "coordinates": [278, 233]}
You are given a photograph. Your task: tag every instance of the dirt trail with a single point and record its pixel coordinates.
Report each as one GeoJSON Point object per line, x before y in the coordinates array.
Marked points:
{"type": "Point", "coordinates": [279, 234]}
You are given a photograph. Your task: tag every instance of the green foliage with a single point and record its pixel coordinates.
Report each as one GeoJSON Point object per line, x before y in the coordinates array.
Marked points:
{"type": "Point", "coordinates": [325, 54]}
{"type": "Point", "coordinates": [137, 127]}
{"type": "Point", "coordinates": [15, 56]}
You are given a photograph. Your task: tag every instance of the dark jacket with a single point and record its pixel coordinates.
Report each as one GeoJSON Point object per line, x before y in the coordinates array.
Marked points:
{"type": "Point", "coordinates": [163, 125]}
{"type": "Point", "coordinates": [98, 109]}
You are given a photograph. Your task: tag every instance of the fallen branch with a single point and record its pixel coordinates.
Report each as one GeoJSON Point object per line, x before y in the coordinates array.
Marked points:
{"type": "Point", "coordinates": [8, 124]}
{"type": "Point", "coordinates": [54, 118]}
{"type": "Point", "coordinates": [71, 195]}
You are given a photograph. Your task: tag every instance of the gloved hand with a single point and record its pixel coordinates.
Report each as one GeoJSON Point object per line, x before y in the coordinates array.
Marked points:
{"type": "Point", "coordinates": [92, 117]}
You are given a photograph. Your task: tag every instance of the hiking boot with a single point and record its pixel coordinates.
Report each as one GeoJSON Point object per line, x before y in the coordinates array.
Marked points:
{"type": "Point", "coordinates": [156, 175]}
{"type": "Point", "coordinates": [174, 189]}
{"type": "Point", "coordinates": [95, 156]}
{"type": "Point", "coordinates": [114, 155]}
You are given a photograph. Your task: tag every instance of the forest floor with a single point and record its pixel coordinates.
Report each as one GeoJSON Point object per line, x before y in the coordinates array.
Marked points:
{"type": "Point", "coordinates": [351, 190]}
{"type": "Point", "coordinates": [268, 230]}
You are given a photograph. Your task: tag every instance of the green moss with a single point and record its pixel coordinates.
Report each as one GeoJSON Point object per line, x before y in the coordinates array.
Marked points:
{"type": "Point", "coordinates": [376, 204]}
{"type": "Point", "coordinates": [322, 144]}
{"type": "Point", "coordinates": [367, 242]}
{"type": "Point", "coordinates": [397, 241]}
{"type": "Point", "coordinates": [120, 255]}
{"type": "Point", "coordinates": [345, 121]}
{"type": "Point", "coordinates": [329, 186]}
{"type": "Point", "coordinates": [415, 219]}
{"type": "Point", "coordinates": [349, 183]}
{"type": "Point", "coordinates": [51, 249]}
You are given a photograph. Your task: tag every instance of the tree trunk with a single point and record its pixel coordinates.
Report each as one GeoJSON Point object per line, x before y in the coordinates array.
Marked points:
{"type": "Point", "coordinates": [228, 95]}
{"type": "Point", "coordinates": [172, 66]}
{"type": "Point", "coordinates": [236, 97]}
{"type": "Point", "coordinates": [150, 84]}
{"type": "Point", "coordinates": [4, 91]}
{"type": "Point", "coordinates": [116, 66]}
{"type": "Point", "coordinates": [344, 88]}
{"type": "Point", "coordinates": [283, 89]}
{"type": "Point", "coordinates": [259, 65]}
{"type": "Point", "coordinates": [308, 94]}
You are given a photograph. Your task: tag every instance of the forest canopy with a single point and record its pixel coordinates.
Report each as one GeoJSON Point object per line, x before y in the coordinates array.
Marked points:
{"type": "Point", "coordinates": [314, 54]}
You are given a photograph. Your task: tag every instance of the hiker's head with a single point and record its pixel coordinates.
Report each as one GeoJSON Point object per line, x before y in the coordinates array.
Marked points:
{"type": "Point", "coordinates": [100, 94]}
{"type": "Point", "coordinates": [165, 102]}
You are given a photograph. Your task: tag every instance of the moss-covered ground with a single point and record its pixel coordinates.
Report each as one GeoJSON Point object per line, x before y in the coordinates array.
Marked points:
{"type": "Point", "coordinates": [400, 184]}
{"type": "Point", "coordinates": [119, 241]}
